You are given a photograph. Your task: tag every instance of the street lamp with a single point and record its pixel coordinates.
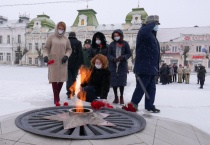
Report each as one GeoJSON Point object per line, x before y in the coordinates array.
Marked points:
{"type": "Point", "coordinates": [11, 28]}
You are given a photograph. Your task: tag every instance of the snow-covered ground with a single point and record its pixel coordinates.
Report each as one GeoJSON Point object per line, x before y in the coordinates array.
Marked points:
{"type": "Point", "coordinates": [24, 88]}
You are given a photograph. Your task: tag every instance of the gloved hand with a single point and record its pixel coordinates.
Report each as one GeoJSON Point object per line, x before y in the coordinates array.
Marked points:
{"type": "Point", "coordinates": [46, 59]}
{"type": "Point", "coordinates": [64, 59]}
{"type": "Point", "coordinates": [121, 58]}
{"type": "Point", "coordinates": [116, 60]}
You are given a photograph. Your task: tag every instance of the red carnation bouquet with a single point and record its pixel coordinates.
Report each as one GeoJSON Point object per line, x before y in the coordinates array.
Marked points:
{"type": "Point", "coordinates": [100, 103]}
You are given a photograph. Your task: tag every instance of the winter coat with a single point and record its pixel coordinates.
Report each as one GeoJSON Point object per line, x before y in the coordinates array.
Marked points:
{"type": "Point", "coordinates": [180, 70]}
{"type": "Point", "coordinates": [100, 80]}
{"type": "Point", "coordinates": [97, 49]}
{"type": "Point", "coordinates": [175, 69]}
{"type": "Point", "coordinates": [188, 70]}
{"type": "Point", "coordinates": [171, 71]}
{"type": "Point", "coordinates": [86, 60]}
{"type": "Point", "coordinates": [56, 47]}
{"type": "Point", "coordinates": [76, 58]}
{"type": "Point", "coordinates": [201, 72]}
{"type": "Point", "coordinates": [147, 51]}
{"type": "Point", "coordinates": [163, 70]}
{"type": "Point", "coordinates": [119, 74]}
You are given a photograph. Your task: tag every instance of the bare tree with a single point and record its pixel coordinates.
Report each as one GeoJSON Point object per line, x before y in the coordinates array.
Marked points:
{"type": "Point", "coordinates": [21, 53]}
{"type": "Point", "coordinates": [40, 56]}
{"type": "Point", "coordinates": [185, 54]}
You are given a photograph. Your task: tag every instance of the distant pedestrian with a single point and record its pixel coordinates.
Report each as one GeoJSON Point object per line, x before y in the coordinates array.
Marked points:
{"type": "Point", "coordinates": [180, 73]}
{"type": "Point", "coordinates": [201, 76]}
{"type": "Point", "coordinates": [187, 74]}
{"type": "Point", "coordinates": [175, 72]}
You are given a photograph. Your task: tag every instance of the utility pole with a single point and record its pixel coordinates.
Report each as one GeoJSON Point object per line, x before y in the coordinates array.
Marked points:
{"type": "Point", "coordinates": [138, 3]}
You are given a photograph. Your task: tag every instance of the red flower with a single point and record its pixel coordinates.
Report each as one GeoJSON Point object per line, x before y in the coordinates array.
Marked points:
{"type": "Point", "coordinates": [66, 104]}
{"type": "Point", "coordinates": [129, 107]}
{"type": "Point", "coordinates": [57, 104]}
{"type": "Point", "coordinates": [50, 62]}
{"type": "Point", "coordinates": [97, 105]}
{"type": "Point", "coordinates": [100, 45]}
{"type": "Point", "coordinates": [120, 45]}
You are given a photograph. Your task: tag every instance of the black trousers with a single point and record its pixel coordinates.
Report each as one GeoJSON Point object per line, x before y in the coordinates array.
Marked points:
{"type": "Point", "coordinates": [174, 77]}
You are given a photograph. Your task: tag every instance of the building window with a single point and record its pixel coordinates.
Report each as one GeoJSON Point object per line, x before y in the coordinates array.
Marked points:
{"type": "Point", "coordinates": [198, 48]}
{"type": "Point", "coordinates": [43, 44]}
{"type": "Point", "coordinates": [82, 22]}
{"type": "Point", "coordinates": [8, 39]}
{"type": "Point", "coordinates": [36, 61]}
{"type": "Point", "coordinates": [19, 38]}
{"type": "Point", "coordinates": [36, 46]}
{"type": "Point", "coordinates": [1, 56]}
{"type": "Point", "coordinates": [1, 39]}
{"type": "Point", "coordinates": [30, 46]}
{"type": "Point", "coordinates": [8, 56]}
{"type": "Point", "coordinates": [29, 60]}
{"type": "Point", "coordinates": [174, 49]}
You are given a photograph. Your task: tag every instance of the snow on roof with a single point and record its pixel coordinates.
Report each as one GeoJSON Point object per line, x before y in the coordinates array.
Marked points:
{"type": "Point", "coordinates": [12, 23]}
{"type": "Point", "coordinates": [167, 34]}
{"type": "Point", "coordinates": [109, 27]}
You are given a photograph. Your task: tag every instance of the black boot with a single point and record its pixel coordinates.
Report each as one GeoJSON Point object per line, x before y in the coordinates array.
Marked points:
{"type": "Point", "coordinates": [116, 100]}
{"type": "Point", "coordinates": [121, 100]}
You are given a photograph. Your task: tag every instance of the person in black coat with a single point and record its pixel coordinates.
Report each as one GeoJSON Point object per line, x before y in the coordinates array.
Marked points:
{"type": "Point", "coordinates": [175, 72]}
{"type": "Point", "coordinates": [201, 75]}
{"type": "Point", "coordinates": [99, 82]}
{"type": "Point", "coordinates": [146, 65]}
{"type": "Point", "coordinates": [74, 61]}
{"type": "Point", "coordinates": [118, 55]}
{"type": "Point", "coordinates": [164, 73]}
{"type": "Point", "coordinates": [99, 45]}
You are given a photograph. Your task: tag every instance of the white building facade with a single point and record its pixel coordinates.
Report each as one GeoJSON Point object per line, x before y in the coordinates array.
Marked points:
{"type": "Point", "coordinates": [12, 37]}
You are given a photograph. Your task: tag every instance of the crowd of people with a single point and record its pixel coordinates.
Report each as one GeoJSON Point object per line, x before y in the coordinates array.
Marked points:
{"type": "Point", "coordinates": [172, 73]}
{"type": "Point", "coordinates": [108, 64]}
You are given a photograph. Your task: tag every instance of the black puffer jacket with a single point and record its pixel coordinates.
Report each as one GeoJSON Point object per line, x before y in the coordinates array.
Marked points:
{"type": "Point", "coordinates": [76, 58]}
{"type": "Point", "coordinates": [96, 49]}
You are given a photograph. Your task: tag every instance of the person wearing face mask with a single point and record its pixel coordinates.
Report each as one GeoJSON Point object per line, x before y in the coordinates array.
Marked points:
{"type": "Point", "coordinates": [97, 87]}
{"type": "Point", "coordinates": [57, 49]}
{"type": "Point", "coordinates": [146, 65]}
{"type": "Point", "coordinates": [118, 54]}
{"type": "Point", "coordinates": [99, 45]}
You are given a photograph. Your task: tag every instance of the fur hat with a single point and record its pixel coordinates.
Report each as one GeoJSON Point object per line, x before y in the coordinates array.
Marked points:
{"type": "Point", "coordinates": [152, 18]}
{"type": "Point", "coordinates": [87, 41]}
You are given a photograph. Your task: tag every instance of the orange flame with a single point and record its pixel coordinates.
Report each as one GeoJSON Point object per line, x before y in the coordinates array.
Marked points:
{"type": "Point", "coordinates": [83, 77]}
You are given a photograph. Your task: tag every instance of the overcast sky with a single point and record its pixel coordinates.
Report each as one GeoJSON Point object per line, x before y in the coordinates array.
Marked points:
{"type": "Point", "coordinates": [173, 13]}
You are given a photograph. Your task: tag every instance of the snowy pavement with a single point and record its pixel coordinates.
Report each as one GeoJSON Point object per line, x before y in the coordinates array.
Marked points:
{"type": "Point", "coordinates": [25, 88]}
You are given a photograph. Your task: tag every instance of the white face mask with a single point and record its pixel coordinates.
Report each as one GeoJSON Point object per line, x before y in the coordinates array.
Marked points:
{"type": "Point", "coordinates": [98, 66]}
{"type": "Point", "coordinates": [117, 38]}
{"type": "Point", "coordinates": [156, 28]}
{"type": "Point", "coordinates": [98, 42]}
{"type": "Point", "coordinates": [60, 31]}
